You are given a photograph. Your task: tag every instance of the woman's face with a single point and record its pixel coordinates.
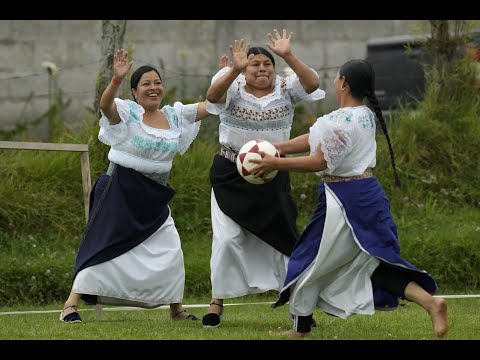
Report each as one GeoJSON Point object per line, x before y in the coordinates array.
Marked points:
{"type": "Point", "coordinates": [149, 91]}
{"type": "Point", "coordinates": [260, 72]}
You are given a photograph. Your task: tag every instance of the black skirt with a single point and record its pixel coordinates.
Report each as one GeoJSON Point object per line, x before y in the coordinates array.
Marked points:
{"type": "Point", "coordinates": [266, 210]}
{"type": "Point", "coordinates": [125, 209]}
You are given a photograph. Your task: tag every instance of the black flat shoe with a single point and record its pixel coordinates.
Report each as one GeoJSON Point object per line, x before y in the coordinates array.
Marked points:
{"type": "Point", "coordinates": [211, 320]}
{"type": "Point", "coordinates": [73, 317]}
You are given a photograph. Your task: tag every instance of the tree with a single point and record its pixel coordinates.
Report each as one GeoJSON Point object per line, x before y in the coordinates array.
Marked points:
{"type": "Point", "coordinates": [447, 47]}
{"type": "Point", "coordinates": [113, 33]}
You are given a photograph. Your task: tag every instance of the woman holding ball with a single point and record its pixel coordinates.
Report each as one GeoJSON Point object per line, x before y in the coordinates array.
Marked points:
{"type": "Point", "coordinates": [347, 260]}
{"type": "Point", "coordinates": [254, 226]}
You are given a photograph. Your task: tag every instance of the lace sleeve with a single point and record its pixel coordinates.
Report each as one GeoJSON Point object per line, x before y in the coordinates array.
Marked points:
{"type": "Point", "coordinates": [297, 92]}
{"type": "Point", "coordinates": [115, 134]}
{"type": "Point", "coordinates": [217, 108]}
{"type": "Point", "coordinates": [189, 128]}
{"type": "Point", "coordinates": [335, 142]}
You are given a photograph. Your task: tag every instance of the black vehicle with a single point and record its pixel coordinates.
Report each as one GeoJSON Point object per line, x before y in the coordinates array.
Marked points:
{"type": "Point", "coordinates": [399, 62]}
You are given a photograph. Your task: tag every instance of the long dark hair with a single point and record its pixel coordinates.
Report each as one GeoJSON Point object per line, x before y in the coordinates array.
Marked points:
{"type": "Point", "coordinates": [360, 77]}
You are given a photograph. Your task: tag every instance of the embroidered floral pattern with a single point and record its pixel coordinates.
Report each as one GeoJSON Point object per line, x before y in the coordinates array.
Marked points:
{"type": "Point", "coordinates": [269, 114]}
{"type": "Point", "coordinates": [141, 142]}
{"type": "Point", "coordinates": [366, 121]}
{"type": "Point", "coordinates": [132, 106]}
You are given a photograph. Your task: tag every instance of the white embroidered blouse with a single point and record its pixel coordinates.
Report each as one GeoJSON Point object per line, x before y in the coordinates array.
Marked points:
{"type": "Point", "coordinates": [347, 139]}
{"type": "Point", "coordinates": [244, 117]}
{"type": "Point", "coordinates": [146, 149]}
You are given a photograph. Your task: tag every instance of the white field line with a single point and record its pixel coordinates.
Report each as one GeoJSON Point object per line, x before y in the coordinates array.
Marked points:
{"type": "Point", "coordinates": [126, 308]}
{"type": "Point", "coordinates": [186, 306]}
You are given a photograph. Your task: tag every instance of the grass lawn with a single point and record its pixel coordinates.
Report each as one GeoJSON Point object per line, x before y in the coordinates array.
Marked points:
{"type": "Point", "coordinates": [242, 322]}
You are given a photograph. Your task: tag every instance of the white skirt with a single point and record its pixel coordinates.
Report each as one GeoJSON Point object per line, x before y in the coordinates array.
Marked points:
{"type": "Point", "coordinates": [149, 275]}
{"type": "Point", "coordinates": [338, 282]}
{"type": "Point", "coordinates": [241, 263]}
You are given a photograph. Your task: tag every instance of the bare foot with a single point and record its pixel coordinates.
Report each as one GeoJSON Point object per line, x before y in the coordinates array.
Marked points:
{"type": "Point", "coordinates": [289, 333]}
{"type": "Point", "coordinates": [439, 315]}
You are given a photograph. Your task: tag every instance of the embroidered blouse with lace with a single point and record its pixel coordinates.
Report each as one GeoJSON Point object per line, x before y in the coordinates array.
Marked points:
{"type": "Point", "coordinates": [244, 117]}
{"type": "Point", "coordinates": [143, 148]}
{"type": "Point", "coordinates": [347, 138]}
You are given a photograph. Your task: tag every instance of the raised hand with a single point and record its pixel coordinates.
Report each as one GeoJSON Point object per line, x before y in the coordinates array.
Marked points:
{"type": "Point", "coordinates": [121, 66]}
{"type": "Point", "coordinates": [239, 55]}
{"type": "Point", "coordinates": [280, 44]}
{"type": "Point", "coordinates": [224, 62]}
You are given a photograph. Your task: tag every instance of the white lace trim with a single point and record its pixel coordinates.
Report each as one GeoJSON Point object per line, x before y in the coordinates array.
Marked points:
{"type": "Point", "coordinates": [114, 134]}
{"type": "Point", "coordinates": [167, 134]}
{"type": "Point", "coordinates": [333, 148]}
{"type": "Point", "coordinates": [189, 128]}
{"type": "Point", "coordinates": [293, 83]}
{"type": "Point", "coordinates": [334, 141]}
{"type": "Point", "coordinates": [264, 100]}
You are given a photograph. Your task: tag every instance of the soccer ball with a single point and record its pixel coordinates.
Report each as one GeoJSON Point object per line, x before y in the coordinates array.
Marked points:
{"type": "Point", "coordinates": [250, 151]}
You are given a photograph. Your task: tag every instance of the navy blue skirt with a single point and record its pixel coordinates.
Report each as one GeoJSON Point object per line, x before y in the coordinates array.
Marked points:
{"type": "Point", "coordinates": [368, 211]}
{"type": "Point", "coordinates": [125, 209]}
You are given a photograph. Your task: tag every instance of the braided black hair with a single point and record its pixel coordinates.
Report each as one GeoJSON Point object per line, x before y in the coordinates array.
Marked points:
{"type": "Point", "coordinates": [360, 77]}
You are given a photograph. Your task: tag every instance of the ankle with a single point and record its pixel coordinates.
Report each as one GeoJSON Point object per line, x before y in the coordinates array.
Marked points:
{"type": "Point", "coordinates": [176, 310]}
{"type": "Point", "coordinates": [70, 308]}
{"type": "Point", "coordinates": [215, 307]}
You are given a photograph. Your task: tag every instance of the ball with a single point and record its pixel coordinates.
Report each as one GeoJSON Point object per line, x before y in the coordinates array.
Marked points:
{"type": "Point", "coordinates": [250, 151]}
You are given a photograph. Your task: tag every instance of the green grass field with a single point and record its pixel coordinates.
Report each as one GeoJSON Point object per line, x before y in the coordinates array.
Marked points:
{"type": "Point", "coordinates": [251, 321]}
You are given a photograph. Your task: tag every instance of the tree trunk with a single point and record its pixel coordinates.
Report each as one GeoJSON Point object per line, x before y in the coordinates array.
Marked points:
{"type": "Point", "coordinates": [113, 32]}
{"type": "Point", "coordinates": [446, 46]}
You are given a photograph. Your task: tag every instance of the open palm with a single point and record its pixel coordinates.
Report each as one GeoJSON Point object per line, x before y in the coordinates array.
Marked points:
{"type": "Point", "coordinates": [239, 54]}
{"type": "Point", "coordinates": [281, 45]}
{"type": "Point", "coordinates": [121, 66]}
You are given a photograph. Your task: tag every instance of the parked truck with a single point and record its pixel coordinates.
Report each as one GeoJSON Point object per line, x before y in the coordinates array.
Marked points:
{"type": "Point", "coordinates": [399, 63]}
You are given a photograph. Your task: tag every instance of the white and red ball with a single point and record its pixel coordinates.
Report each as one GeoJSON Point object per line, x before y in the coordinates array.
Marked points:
{"type": "Point", "coordinates": [250, 151]}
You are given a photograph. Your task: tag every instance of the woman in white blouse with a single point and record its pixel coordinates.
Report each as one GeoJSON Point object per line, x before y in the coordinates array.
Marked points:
{"type": "Point", "coordinates": [347, 260]}
{"type": "Point", "coordinates": [254, 226]}
{"type": "Point", "coordinates": [131, 253]}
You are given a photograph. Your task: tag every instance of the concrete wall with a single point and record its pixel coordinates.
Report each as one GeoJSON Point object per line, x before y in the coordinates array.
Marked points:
{"type": "Point", "coordinates": [188, 51]}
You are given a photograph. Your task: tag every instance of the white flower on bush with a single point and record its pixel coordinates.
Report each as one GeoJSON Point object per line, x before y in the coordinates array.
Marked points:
{"type": "Point", "coordinates": [50, 67]}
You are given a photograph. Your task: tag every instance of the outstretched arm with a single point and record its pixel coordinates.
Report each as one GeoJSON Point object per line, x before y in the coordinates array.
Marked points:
{"type": "Point", "coordinates": [308, 163]}
{"type": "Point", "coordinates": [217, 92]}
{"type": "Point", "coordinates": [202, 112]}
{"type": "Point", "coordinates": [121, 66]}
{"type": "Point", "coordinates": [294, 146]}
{"type": "Point", "coordinates": [281, 45]}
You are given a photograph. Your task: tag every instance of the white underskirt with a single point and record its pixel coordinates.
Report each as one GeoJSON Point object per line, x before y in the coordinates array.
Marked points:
{"type": "Point", "coordinates": [241, 263]}
{"type": "Point", "coordinates": [149, 275]}
{"type": "Point", "coordinates": [338, 282]}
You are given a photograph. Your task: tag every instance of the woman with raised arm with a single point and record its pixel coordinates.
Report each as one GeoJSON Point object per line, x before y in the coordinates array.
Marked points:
{"type": "Point", "coordinates": [131, 253]}
{"type": "Point", "coordinates": [254, 226]}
